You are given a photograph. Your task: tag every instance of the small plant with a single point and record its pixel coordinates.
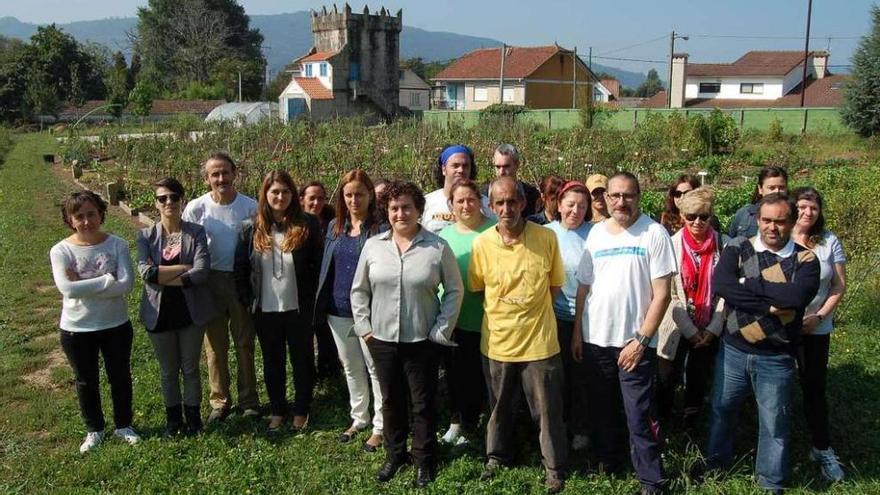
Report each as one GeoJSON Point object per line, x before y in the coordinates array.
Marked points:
{"type": "Point", "coordinates": [774, 131]}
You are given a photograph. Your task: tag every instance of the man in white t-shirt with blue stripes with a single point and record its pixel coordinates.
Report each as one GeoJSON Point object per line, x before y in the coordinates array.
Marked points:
{"type": "Point", "coordinates": [624, 288]}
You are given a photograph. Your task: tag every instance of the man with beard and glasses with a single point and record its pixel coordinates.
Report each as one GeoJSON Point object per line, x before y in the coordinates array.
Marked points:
{"type": "Point", "coordinates": [625, 276]}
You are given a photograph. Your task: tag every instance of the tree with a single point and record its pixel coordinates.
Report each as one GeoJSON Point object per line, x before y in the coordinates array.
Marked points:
{"type": "Point", "coordinates": [651, 86]}
{"type": "Point", "coordinates": [415, 64]}
{"type": "Point", "coordinates": [12, 82]}
{"type": "Point", "coordinates": [116, 82]}
{"type": "Point", "coordinates": [141, 98]}
{"type": "Point", "coordinates": [861, 99]}
{"type": "Point", "coordinates": [184, 41]}
{"type": "Point", "coordinates": [52, 54]}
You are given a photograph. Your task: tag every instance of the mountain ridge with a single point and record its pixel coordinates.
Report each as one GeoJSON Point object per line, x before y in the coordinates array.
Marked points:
{"type": "Point", "coordinates": [288, 36]}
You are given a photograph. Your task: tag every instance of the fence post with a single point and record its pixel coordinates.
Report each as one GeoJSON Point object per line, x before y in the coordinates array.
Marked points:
{"type": "Point", "coordinates": [549, 119]}
{"type": "Point", "coordinates": [742, 119]}
{"type": "Point", "coordinates": [804, 125]}
{"type": "Point", "coordinates": [635, 118]}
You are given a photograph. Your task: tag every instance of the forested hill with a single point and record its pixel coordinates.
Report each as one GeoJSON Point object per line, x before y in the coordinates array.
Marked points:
{"type": "Point", "coordinates": [288, 36]}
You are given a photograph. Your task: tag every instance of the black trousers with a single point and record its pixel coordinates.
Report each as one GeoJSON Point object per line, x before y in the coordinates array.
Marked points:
{"type": "Point", "coordinates": [696, 366]}
{"type": "Point", "coordinates": [82, 350]}
{"type": "Point", "coordinates": [408, 368]}
{"type": "Point", "coordinates": [289, 331]}
{"type": "Point", "coordinates": [574, 385]}
{"type": "Point", "coordinates": [464, 379]}
{"type": "Point", "coordinates": [623, 401]}
{"type": "Point", "coordinates": [812, 362]}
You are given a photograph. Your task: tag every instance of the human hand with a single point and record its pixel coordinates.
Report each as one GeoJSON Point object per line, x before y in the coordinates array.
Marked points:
{"type": "Point", "coordinates": [577, 347]}
{"type": "Point", "coordinates": [72, 275]}
{"type": "Point", "coordinates": [630, 356]}
{"type": "Point", "coordinates": [437, 337]}
{"type": "Point", "coordinates": [810, 324]}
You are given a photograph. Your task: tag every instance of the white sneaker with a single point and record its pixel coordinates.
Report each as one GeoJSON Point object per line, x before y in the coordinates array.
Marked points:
{"type": "Point", "coordinates": [579, 442]}
{"type": "Point", "coordinates": [830, 464]}
{"type": "Point", "coordinates": [128, 435]}
{"type": "Point", "coordinates": [92, 440]}
{"type": "Point", "coordinates": [452, 433]}
{"type": "Point", "coordinates": [461, 441]}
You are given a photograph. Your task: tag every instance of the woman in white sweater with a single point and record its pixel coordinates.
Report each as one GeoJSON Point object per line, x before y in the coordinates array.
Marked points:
{"type": "Point", "coordinates": [93, 272]}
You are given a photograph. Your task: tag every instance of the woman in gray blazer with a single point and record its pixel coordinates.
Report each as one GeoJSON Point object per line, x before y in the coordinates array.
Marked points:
{"type": "Point", "coordinates": [174, 262]}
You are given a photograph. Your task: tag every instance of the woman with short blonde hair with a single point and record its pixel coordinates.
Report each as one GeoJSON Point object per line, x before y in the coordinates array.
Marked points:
{"type": "Point", "coordinates": [694, 313]}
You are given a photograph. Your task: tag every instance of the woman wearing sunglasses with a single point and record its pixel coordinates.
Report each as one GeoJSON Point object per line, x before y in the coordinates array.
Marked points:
{"type": "Point", "coordinates": [694, 316]}
{"type": "Point", "coordinates": [174, 262]}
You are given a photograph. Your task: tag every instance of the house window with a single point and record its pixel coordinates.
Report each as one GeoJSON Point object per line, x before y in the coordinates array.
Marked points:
{"type": "Point", "coordinates": [508, 95]}
{"type": "Point", "coordinates": [415, 100]}
{"type": "Point", "coordinates": [751, 88]}
{"type": "Point", "coordinates": [323, 69]}
{"type": "Point", "coordinates": [710, 87]}
{"type": "Point", "coordinates": [481, 94]}
{"type": "Point", "coordinates": [308, 70]}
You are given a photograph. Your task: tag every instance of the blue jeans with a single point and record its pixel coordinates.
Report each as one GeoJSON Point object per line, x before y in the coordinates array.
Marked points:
{"type": "Point", "coordinates": [771, 379]}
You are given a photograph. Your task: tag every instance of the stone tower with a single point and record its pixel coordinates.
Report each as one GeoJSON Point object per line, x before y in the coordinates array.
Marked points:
{"type": "Point", "coordinates": [366, 69]}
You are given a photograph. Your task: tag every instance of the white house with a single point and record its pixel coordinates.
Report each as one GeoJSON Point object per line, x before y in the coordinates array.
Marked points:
{"type": "Point", "coordinates": [757, 79]}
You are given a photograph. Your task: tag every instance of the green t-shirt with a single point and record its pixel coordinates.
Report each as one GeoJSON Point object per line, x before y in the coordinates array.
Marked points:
{"type": "Point", "coordinates": [471, 316]}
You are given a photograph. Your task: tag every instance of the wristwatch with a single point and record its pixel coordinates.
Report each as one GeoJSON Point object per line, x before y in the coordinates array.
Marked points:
{"type": "Point", "coordinates": [642, 339]}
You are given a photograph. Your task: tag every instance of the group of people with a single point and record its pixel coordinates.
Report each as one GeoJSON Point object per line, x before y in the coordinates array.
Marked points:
{"type": "Point", "coordinates": [566, 295]}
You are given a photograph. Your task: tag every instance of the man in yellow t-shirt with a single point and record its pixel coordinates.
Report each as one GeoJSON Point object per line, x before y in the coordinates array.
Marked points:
{"type": "Point", "coordinates": [519, 267]}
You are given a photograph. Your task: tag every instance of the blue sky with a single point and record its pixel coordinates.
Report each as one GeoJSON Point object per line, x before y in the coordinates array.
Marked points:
{"type": "Point", "coordinates": [609, 27]}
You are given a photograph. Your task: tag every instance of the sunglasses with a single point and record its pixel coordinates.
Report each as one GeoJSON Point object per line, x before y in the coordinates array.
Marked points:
{"type": "Point", "coordinates": [168, 198]}
{"type": "Point", "coordinates": [677, 194]}
{"type": "Point", "coordinates": [693, 216]}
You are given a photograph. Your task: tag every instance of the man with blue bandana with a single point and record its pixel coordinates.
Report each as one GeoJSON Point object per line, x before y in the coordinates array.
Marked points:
{"type": "Point", "coordinates": [455, 162]}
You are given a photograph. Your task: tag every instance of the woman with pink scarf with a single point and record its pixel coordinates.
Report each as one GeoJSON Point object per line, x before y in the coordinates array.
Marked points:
{"type": "Point", "coordinates": [694, 317]}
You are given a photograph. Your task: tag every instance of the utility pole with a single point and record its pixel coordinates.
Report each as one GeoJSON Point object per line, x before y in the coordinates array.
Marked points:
{"type": "Point", "coordinates": [574, 78]}
{"type": "Point", "coordinates": [590, 59]}
{"type": "Point", "coordinates": [806, 52]}
{"type": "Point", "coordinates": [239, 86]}
{"type": "Point", "coordinates": [669, 78]}
{"type": "Point", "coordinates": [501, 77]}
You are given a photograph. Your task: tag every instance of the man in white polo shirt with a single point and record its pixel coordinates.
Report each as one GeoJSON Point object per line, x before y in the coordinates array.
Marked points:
{"type": "Point", "coordinates": [221, 212]}
{"type": "Point", "coordinates": [626, 269]}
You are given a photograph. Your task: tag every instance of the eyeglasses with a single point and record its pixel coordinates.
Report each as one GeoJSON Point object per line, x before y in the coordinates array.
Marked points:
{"type": "Point", "coordinates": [677, 194]}
{"type": "Point", "coordinates": [168, 198]}
{"type": "Point", "coordinates": [693, 216]}
{"type": "Point", "coordinates": [628, 197]}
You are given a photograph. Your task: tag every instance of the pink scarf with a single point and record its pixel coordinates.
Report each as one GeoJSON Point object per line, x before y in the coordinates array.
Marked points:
{"type": "Point", "coordinates": [696, 274]}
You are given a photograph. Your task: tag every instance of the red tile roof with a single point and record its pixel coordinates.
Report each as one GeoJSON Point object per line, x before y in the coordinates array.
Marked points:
{"type": "Point", "coordinates": [519, 63]}
{"type": "Point", "coordinates": [753, 63]}
{"type": "Point", "coordinates": [313, 87]}
{"type": "Point", "coordinates": [318, 57]}
{"type": "Point", "coordinates": [825, 92]}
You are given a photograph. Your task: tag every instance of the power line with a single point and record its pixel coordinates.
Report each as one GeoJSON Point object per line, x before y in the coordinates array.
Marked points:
{"type": "Point", "coordinates": [622, 59]}
{"type": "Point", "coordinates": [767, 37]}
{"type": "Point", "coordinates": [652, 40]}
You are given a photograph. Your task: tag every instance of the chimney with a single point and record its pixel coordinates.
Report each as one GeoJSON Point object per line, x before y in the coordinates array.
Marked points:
{"type": "Point", "coordinates": [679, 80]}
{"type": "Point", "coordinates": [819, 64]}
{"type": "Point", "coordinates": [612, 85]}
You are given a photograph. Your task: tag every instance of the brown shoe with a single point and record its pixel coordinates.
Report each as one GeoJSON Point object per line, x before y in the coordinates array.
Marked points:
{"type": "Point", "coordinates": [373, 443]}
{"type": "Point", "coordinates": [554, 484]}
{"type": "Point", "coordinates": [300, 422]}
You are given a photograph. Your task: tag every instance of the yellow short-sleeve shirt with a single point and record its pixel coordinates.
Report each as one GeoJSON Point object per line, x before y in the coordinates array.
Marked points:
{"type": "Point", "coordinates": [519, 323]}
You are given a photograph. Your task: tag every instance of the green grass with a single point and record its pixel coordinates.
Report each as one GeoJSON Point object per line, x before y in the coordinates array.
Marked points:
{"type": "Point", "coordinates": [40, 427]}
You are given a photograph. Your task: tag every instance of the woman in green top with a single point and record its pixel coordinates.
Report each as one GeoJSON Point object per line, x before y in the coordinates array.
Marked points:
{"type": "Point", "coordinates": [464, 367]}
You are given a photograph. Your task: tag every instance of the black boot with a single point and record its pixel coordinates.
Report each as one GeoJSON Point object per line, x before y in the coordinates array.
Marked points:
{"type": "Point", "coordinates": [193, 419]}
{"type": "Point", "coordinates": [173, 420]}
